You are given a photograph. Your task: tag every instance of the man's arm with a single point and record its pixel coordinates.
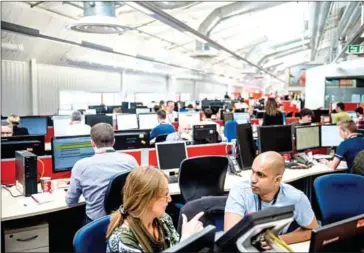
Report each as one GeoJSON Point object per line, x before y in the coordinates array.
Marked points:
{"type": "Point", "coordinates": [301, 234]}
{"type": "Point", "coordinates": [74, 190]}
{"type": "Point", "coordinates": [230, 220]}
{"type": "Point", "coordinates": [333, 164]}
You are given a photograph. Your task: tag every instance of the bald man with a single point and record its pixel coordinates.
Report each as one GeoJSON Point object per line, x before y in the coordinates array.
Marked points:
{"type": "Point", "coordinates": [265, 189]}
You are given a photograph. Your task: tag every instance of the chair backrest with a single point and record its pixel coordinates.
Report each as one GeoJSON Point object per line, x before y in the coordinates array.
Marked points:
{"type": "Point", "coordinates": [161, 138]}
{"type": "Point", "coordinates": [213, 208]}
{"type": "Point", "coordinates": [230, 130]}
{"type": "Point", "coordinates": [113, 195]}
{"type": "Point", "coordinates": [175, 125]}
{"type": "Point", "coordinates": [289, 114]}
{"type": "Point", "coordinates": [92, 237]}
{"type": "Point", "coordinates": [202, 176]}
{"type": "Point", "coordinates": [358, 164]}
{"type": "Point", "coordinates": [340, 196]}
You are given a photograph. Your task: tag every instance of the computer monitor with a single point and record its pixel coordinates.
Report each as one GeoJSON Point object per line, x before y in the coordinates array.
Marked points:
{"type": "Point", "coordinates": [307, 137]}
{"type": "Point", "coordinates": [124, 106]}
{"type": "Point", "coordinates": [318, 113]}
{"type": "Point", "coordinates": [202, 241]}
{"type": "Point", "coordinates": [259, 114]}
{"type": "Point", "coordinates": [133, 139]}
{"type": "Point", "coordinates": [31, 143]}
{"type": "Point", "coordinates": [352, 115]}
{"type": "Point", "coordinates": [67, 150]}
{"type": "Point", "coordinates": [36, 125]}
{"type": "Point", "coordinates": [132, 105]}
{"type": "Point", "coordinates": [204, 134]}
{"type": "Point", "coordinates": [242, 117]}
{"type": "Point", "coordinates": [330, 136]}
{"type": "Point", "coordinates": [170, 154]}
{"type": "Point", "coordinates": [99, 108]}
{"type": "Point", "coordinates": [142, 110]}
{"type": "Point", "coordinates": [342, 236]}
{"type": "Point", "coordinates": [90, 111]}
{"type": "Point", "coordinates": [60, 124]}
{"type": "Point", "coordinates": [190, 118]}
{"type": "Point", "coordinates": [92, 120]}
{"type": "Point", "coordinates": [148, 120]}
{"type": "Point", "coordinates": [110, 108]}
{"type": "Point", "coordinates": [275, 138]}
{"type": "Point", "coordinates": [127, 121]}
{"type": "Point", "coordinates": [244, 233]}
{"type": "Point", "coordinates": [246, 145]}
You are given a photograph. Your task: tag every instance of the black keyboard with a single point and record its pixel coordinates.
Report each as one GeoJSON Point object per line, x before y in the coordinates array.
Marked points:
{"type": "Point", "coordinates": [173, 179]}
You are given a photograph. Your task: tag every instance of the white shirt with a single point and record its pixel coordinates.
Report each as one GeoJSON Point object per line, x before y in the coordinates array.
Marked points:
{"type": "Point", "coordinates": [171, 116]}
{"type": "Point", "coordinates": [78, 129]}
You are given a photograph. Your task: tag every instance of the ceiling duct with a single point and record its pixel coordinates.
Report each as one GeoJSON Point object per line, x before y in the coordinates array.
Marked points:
{"type": "Point", "coordinates": [172, 5]}
{"type": "Point", "coordinates": [99, 17]}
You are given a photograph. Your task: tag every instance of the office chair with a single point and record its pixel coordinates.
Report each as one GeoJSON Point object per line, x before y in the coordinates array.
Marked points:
{"type": "Point", "coordinates": [339, 196]}
{"type": "Point", "coordinates": [161, 138]}
{"type": "Point", "coordinates": [213, 208]}
{"type": "Point", "coordinates": [114, 195]}
{"type": "Point", "coordinates": [230, 130]}
{"type": "Point", "coordinates": [92, 237]}
{"type": "Point", "coordinates": [202, 176]}
{"type": "Point", "coordinates": [289, 114]}
{"type": "Point", "coordinates": [358, 164]}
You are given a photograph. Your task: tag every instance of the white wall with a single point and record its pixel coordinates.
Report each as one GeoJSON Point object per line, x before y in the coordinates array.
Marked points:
{"type": "Point", "coordinates": [315, 79]}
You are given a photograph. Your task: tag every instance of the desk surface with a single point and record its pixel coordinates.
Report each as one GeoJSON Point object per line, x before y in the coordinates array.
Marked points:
{"type": "Point", "coordinates": [20, 207]}
{"type": "Point", "coordinates": [300, 247]}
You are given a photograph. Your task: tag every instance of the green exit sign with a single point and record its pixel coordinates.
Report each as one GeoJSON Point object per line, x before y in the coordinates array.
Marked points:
{"type": "Point", "coordinates": [355, 49]}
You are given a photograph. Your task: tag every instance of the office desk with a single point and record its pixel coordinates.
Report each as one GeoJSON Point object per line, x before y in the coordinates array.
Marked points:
{"type": "Point", "coordinates": [300, 247]}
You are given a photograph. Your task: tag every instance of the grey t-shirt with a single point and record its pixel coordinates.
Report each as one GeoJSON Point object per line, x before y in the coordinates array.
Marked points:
{"type": "Point", "coordinates": [243, 201]}
{"type": "Point", "coordinates": [91, 177]}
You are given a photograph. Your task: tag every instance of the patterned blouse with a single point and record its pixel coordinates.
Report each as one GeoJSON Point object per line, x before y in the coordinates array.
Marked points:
{"type": "Point", "coordinates": [123, 239]}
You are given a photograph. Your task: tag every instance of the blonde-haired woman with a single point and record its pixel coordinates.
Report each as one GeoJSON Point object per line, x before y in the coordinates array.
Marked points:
{"type": "Point", "coordinates": [141, 224]}
{"type": "Point", "coordinates": [15, 121]}
{"type": "Point", "coordinates": [272, 115]}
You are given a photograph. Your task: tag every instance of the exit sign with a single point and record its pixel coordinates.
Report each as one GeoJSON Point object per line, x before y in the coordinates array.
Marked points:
{"type": "Point", "coordinates": [355, 49]}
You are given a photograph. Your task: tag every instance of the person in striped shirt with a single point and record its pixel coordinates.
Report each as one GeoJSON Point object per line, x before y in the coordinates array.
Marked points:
{"type": "Point", "coordinates": [360, 121]}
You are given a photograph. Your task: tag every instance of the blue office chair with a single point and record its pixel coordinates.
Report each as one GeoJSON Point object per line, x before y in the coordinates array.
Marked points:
{"type": "Point", "coordinates": [113, 195]}
{"type": "Point", "coordinates": [230, 130]}
{"type": "Point", "coordinates": [339, 196]}
{"type": "Point", "coordinates": [92, 237]}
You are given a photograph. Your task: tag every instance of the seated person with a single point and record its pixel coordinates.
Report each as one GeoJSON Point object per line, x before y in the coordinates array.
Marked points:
{"type": "Point", "coordinates": [360, 121]}
{"type": "Point", "coordinates": [91, 175]}
{"type": "Point", "coordinates": [197, 106]}
{"type": "Point", "coordinates": [76, 127]}
{"type": "Point", "coordinates": [306, 117]}
{"type": "Point", "coordinates": [340, 113]}
{"type": "Point", "coordinates": [6, 129]}
{"type": "Point", "coordinates": [183, 133]}
{"type": "Point", "coordinates": [156, 108]}
{"type": "Point", "coordinates": [190, 108]}
{"type": "Point", "coordinates": [353, 143]}
{"type": "Point", "coordinates": [265, 190]}
{"type": "Point", "coordinates": [141, 224]}
{"type": "Point", "coordinates": [272, 115]}
{"type": "Point", "coordinates": [207, 120]}
{"type": "Point", "coordinates": [241, 106]}
{"type": "Point", "coordinates": [163, 127]}
{"type": "Point", "coordinates": [15, 121]}
{"type": "Point", "coordinates": [172, 115]}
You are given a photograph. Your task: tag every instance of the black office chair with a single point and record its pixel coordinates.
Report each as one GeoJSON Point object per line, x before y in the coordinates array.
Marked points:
{"type": "Point", "coordinates": [202, 176]}
{"type": "Point", "coordinates": [161, 138]}
{"type": "Point", "coordinates": [358, 164]}
{"type": "Point", "coordinates": [114, 195]}
{"type": "Point", "coordinates": [289, 115]}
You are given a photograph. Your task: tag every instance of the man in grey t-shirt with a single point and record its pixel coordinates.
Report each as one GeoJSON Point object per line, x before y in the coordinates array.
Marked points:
{"type": "Point", "coordinates": [91, 176]}
{"type": "Point", "coordinates": [266, 189]}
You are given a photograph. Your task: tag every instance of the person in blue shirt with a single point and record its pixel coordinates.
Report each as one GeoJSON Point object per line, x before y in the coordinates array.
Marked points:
{"type": "Point", "coordinates": [163, 127]}
{"type": "Point", "coordinates": [353, 143]}
{"type": "Point", "coordinates": [264, 190]}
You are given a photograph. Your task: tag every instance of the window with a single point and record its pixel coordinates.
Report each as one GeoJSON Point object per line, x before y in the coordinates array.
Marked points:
{"type": "Point", "coordinates": [146, 98]}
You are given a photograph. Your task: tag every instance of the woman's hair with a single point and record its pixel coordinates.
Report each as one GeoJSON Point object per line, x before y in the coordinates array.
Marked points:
{"type": "Point", "coordinates": [271, 108]}
{"type": "Point", "coordinates": [143, 185]}
{"type": "Point", "coordinates": [348, 125]}
{"type": "Point", "coordinates": [14, 119]}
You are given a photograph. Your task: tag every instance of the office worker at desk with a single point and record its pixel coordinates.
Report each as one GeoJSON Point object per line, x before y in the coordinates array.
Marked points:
{"type": "Point", "coordinates": [207, 120]}
{"type": "Point", "coordinates": [91, 176]}
{"type": "Point", "coordinates": [183, 133]}
{"type": "Point", "coordinates": [340, 113]}
{"type": "Point", "coordinates": [266, 189]}
{"type": "Point", "coordinates": [15, 121]}
{"type": "Point", "coordinates": [353, 143]}
{"type": "Point", "coordinates": [76, 127]}
{"type": "Point", "coordinates": [163, 127]}
{"type": "Point", "coordinates": [172, 115]}
{"type": "Point", "coordinates": [6, 129]}
{"type": "Point", "coordinates": [272, 115]}
{"type": "Point", "coordinates": [141, 224]}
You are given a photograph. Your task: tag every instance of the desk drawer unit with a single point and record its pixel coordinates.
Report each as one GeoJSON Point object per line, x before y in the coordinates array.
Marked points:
{"type": "Point", "coordinates": [28, 239]}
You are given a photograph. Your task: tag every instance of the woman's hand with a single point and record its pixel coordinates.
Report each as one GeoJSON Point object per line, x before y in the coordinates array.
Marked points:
{"type": "Point", "coordinates": [191, 227]}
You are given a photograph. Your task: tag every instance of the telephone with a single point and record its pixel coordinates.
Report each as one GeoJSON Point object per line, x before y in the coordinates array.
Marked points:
{"type": "Point", "coordinates": [234, 167]}
{"type": "Point", "coordinates": [302, 158]}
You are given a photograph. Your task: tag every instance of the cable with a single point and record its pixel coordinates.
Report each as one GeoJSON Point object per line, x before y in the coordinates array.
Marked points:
{"type": "Point", "coordinates": [4, 187]}
{"type": "Point", "coordinates": [42, 174]}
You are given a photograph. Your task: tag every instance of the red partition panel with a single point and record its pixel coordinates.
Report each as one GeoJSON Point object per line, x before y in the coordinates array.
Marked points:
{"type": "Point", "coordinates": [220, 122]}
{"type": "Point", "coordinates": [153, 157]}
{"type": "Point", "coordinates": [350, 106]}
{"type": "Point", "coordinates": [175, 124]}
{"type": "Point", "coordinates": [50, 134]}
{"type": "Point", "coordinates": [362, 105]}
{"type": "Point", "coordinates": [137, 154]}
{"type": "Point", "coordinates": [201, 150]}
{"type": "Point", "coordinates": [292, 120]}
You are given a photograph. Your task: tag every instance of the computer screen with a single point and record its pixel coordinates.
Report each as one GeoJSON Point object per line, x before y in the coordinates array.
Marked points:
{"type": "Point", "coordinates": [110, 108]}
{"type": "Point", "coordinates": [352, 115]}
{"type": "Point", "coordinates": [307, 137]}
{"type": "Point", "coordinates": [202, 241]}
{"type": "Point", "coordinates": [66, 151]}
{"type": "Point", "coordinates": [242, 117]}
{"type": "Point", "coordinates": [276, 218]}
{"type": "Point", "coordinates": [90, 111]}
{"type": "Point", "coordinates": [60, 124]}
{"type": "Point", "coordinates": [191, 118]}
{"type": "Point", "coordinates": [127, 121]}
{"type": "Point", "coordinates": [170, 155]}
{"type": "Point", "coordinates": [342, 236]}
{"type": "Point", "coordinates": [246, 144]}
{"type": "Point", "coordinates": [318, 113]}
{"type": "Point", "coordinates": [275, 138]}
{"type": "Point", "coordinates": [35, 125]}
{"type": "Point", "coordinates": [142, 110]}
{"type": "Point", "coordinates": [133, 139]}
{"type": "Point", "coordinates": [148, 121]}
{"type": "Point", "coordinates": [204, 134]}
{"type": "Point", "coordinates": [330, 136]}
{"type": "Point", "coordinates": [31, 143]}
{"type": "Point", "coordinates": [92, 120]}
{"type": "Point", "coordinates": [99, 108]}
